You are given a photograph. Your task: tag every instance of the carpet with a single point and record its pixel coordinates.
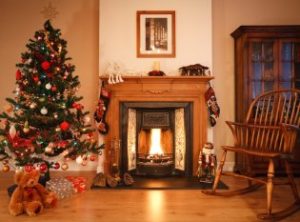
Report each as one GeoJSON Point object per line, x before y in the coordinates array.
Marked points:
{"type": "Point", "coordinates": [166, 183]}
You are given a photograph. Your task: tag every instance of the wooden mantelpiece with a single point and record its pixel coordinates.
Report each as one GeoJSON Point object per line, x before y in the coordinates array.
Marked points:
{"type": "Point", "coordinates": [160, 89]}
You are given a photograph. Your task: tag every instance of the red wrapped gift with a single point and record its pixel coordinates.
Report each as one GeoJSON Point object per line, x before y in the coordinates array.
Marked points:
{"type": "Point", "coordinates": [78, 182]}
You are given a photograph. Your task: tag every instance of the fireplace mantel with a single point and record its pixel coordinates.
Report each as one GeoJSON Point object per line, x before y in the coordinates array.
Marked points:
{"type": "Point", "coordinates": [160, 89]}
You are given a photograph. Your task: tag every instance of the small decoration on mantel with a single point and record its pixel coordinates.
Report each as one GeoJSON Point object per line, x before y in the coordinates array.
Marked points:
{"type": "Point", "coordinates": [156, 73]}
{"type": "Point", "coordinates": [114, 73]}
{"type": "Point", "coordinates": [194, 70]}
{"type": "Point", "coordinates": [156, 70]}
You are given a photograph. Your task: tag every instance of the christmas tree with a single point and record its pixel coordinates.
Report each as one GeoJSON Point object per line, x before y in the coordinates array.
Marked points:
{"type": "Point", "coordinates": [45, 120]}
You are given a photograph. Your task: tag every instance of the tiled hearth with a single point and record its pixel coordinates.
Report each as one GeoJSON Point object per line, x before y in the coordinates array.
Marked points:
{"type": "Point", "coordinates": [183, 95]}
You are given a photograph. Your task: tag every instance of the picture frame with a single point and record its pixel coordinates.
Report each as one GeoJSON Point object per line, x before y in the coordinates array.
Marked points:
{"type": "Point", "coordinates": [155, 32]}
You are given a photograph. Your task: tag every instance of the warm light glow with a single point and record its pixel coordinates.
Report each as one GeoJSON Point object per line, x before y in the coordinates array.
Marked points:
{"type": "Point", "coordinates": [155, 147]}
{"type": "Point", "coordinates": [156, 205]}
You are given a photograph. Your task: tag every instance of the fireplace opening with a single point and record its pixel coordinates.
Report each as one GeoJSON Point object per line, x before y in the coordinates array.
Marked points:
{"type": "Point", "coordinates": [155, 151]}
{"type": "Point", "coordinates": [156, 138]}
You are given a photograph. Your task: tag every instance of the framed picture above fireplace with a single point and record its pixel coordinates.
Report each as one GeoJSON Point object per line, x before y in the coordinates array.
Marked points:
{"type": "Point", "coordinates": [155, 33]}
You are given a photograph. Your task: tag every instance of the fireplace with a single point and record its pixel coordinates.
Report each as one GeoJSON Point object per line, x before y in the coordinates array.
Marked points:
{"type": "Point", "coordinates": [157, 138]}
{"type": "Point", "coordinates": [172, 106]}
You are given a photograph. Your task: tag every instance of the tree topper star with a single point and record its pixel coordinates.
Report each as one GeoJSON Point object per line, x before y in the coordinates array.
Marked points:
{"type": "Point", "coordinates": [49, 12]}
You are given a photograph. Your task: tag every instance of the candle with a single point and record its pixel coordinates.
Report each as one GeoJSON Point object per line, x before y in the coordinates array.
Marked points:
{"type": "Point", "coordinates": [156, 66]}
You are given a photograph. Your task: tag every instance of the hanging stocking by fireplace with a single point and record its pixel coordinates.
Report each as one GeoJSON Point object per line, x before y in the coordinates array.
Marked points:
{"type": "Point", "coordinates": [213, 107]}
{"type": "Point", "coordinates": [101, 110]}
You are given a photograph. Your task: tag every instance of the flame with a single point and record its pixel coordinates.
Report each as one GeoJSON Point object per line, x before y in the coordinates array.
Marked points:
{"type": "Point", "coordinates": [155, 147]}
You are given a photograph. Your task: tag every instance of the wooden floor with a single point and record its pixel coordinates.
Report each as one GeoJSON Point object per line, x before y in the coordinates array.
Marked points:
{"type": "Point", "coordinates": [151, 205]}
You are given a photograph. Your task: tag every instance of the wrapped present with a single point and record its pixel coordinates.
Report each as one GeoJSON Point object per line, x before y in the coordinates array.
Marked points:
{"type": "Point", "coordinates": [61, 186]}
{"type": "Point", "coordinates": [79, 183]}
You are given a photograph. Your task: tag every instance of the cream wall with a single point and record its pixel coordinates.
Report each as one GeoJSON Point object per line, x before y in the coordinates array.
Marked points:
{"type": "Point", "coordinates": [118, 34]}
{"type": "Point", "coordinates": [79, 24]}
{"type": "Point", "coordinates": [227, 16]}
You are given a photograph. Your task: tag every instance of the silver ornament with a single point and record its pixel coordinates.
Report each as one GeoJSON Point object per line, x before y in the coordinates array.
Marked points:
{"type": "Point", "coordinates": [48, 149]}
{"type": "Point", "coordinates": [32, 105]}
{"type": "Point", "coordinates": [44, 111]}
{"type": "Point", "coordinates": [48, 86]}
{"type": "Point", "coordinates": [87, 119]}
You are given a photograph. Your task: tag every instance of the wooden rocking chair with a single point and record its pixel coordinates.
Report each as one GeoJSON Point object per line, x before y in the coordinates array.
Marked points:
{"type": "Point", "coordinates": [270, 132]}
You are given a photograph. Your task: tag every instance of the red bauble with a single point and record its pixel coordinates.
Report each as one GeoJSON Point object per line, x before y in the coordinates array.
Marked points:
{"type": "Point", "coordinates": [56, 165]}
{"type": "Point", "coordinates": [77, 106]}
{"type": "Point", "coordinates": [45, 65]}
{"type": "Point", "coordinates": [50, 75]}
{"type": "Point", "coordinates": [74, 105]}
{"type": "Point", "coordinates": [36, 78]}
{"type": "Point", "coordinates": [93, 157]}
{"type": "Point", "coordinates": [64, 126]}
{"type": "Point", "coordinates": [43, 167]}
{"type": "Point", "coordinates": [18, 75]}
{"type": "Point", "coordinates": [53, 88]}
{"type": "Point", "coordinates": [28, 168]}
{"type": "Point", "coordinates": [62, 144]}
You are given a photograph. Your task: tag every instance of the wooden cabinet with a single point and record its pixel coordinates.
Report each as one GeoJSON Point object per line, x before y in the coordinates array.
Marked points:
{"type": "Point", "coordinates": [266, 58]}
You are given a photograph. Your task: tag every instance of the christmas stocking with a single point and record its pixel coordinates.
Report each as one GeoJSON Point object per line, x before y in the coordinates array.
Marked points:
{"type": "Point", "coordinates": [101, 110]}
{"type": "Point", "coordinates": [213, 107]}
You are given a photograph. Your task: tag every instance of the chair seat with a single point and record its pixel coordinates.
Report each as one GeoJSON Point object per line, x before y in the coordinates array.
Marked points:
{"type": "Point", "coordinates": [260, 153]}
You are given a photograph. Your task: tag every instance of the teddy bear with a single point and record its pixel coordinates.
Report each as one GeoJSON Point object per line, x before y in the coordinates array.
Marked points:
{"type": "Point", "coordinates": [30, 197]}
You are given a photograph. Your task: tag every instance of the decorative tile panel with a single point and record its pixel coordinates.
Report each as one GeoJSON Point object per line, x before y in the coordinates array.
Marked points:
{"type": "Point", "coordinates": [131, 139]}
{"type": "Point", "coordinates": [180, 143]}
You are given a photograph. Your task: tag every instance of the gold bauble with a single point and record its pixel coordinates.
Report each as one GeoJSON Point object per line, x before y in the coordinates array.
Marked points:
{"type": "Point", "coordinates": [64, 166]}
{"type": "Point", "coordinates": [5, 168]}
{"type": "Point", "coordinates": [48, 149]}
{"type": "Point", "coordinates": [84, 163]}
{"type": "Point", "coordinates": [26, 130]}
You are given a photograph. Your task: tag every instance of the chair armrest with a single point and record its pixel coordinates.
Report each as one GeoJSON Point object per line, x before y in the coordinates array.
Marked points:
{"type": "Point", "coordinates": [264, 137]}
{"type": "Point", "coordinates": [257, 126]}
{"type": "Point", "coordinates": [290, 126]}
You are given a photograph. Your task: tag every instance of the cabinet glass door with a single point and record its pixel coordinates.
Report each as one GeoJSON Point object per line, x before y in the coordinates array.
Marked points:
{"type": "Point", "coordinates": [287, 63]}
{"type": "Point", "coordinates": [297, 64]}
{"type": "Point", "coordinates": [262, 67]}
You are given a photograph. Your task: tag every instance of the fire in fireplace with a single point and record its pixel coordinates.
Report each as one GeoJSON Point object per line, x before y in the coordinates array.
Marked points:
{"type": "Point", "coordinates": [155, 152]}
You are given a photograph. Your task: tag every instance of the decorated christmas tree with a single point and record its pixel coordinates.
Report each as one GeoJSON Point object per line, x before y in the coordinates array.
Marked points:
{"type": "Point", "coordinates": [45, 124]}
